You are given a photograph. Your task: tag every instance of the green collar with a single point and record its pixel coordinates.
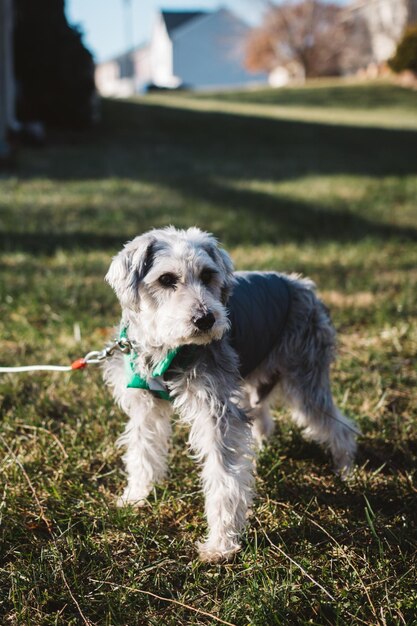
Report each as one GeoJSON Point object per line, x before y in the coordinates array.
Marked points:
{"type": "Point", "coordinates": [155, 383]}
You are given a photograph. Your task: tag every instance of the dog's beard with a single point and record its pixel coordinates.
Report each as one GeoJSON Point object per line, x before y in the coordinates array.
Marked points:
{"type": "Point", "coordinates": [165, 328]}
{"type": "Point", "coordinates": [199, 337]}
{"type": "Point", "coordinates": [187, 333]}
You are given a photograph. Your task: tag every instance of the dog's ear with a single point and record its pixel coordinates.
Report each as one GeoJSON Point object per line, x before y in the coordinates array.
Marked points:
{"type": "Point", "coordinates": [129, 267]}
{"type": "Point", "coordinates": [222, 260]}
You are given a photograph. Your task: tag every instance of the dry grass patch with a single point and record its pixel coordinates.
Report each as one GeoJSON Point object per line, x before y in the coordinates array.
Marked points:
{"type": "Point", "coordinates": [360, 299]}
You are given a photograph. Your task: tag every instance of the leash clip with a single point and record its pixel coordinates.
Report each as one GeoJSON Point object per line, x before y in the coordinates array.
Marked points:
{"type": "Point", "coordinates": [97, 356]}
{"type": "Point", "coordinates": [124, 345]}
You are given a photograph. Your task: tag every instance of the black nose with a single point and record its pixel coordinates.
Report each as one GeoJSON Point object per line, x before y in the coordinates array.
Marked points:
{"type": "Point", "coordinates": [205, 322]}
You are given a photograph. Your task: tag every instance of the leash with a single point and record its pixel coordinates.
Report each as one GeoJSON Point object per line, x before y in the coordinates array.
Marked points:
{"type": "Point", "coordinates": [155, 383]}
{"type": "Point", "coordinates": [91, 358]}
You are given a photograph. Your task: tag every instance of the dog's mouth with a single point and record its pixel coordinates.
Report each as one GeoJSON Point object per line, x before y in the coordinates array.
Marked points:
{"type": "Point", "coordinates": [207, 335]}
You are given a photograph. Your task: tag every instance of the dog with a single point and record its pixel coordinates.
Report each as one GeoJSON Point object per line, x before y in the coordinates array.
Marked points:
{"type": "Point", "coordinates": [216, 347]}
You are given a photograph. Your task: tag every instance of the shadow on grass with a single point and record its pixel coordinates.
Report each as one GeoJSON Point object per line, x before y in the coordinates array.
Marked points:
{"type": "Point", "coordinates": [391, 497]}
{"type": "Point", "coordinates": [151, 142]}
{"type": "Point", "coordinates": [249, 218]}
{"type": "Point", "coordinates": [380, 455]}
{"type": "Point", "coordinates": [192, 154]}
{"type": "Point", "coordinates": [387, 457]}
{"type": "Point", "coordinates": [339, 507]}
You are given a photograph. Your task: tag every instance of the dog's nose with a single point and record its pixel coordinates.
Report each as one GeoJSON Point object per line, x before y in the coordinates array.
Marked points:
{"type": "Point", "coordinates": [205, 322]}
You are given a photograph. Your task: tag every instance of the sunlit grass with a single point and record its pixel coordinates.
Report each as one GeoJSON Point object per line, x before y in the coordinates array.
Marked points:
{"type": "Point", "coordinates": [379, 104]}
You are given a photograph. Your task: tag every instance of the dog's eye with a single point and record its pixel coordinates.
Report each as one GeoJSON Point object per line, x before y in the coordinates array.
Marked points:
{"type": "Point", "coordinates": [206, 276]}
{"type": "Point", "coordinates": [168, 280]}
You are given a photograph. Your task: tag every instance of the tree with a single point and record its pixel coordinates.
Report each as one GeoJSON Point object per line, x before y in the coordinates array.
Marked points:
{"type": "Point", "coordinates": [314, 34]}
{"type": "Point", "coordinates": [6, 77]}
{"type": "Point", "coordinates": [405, 57]}
{"type": "Point", "coordinates": [54, 71]}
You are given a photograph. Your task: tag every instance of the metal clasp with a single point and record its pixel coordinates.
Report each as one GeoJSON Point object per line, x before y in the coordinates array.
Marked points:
{"type": "Point", "coordinates": [97, 356]}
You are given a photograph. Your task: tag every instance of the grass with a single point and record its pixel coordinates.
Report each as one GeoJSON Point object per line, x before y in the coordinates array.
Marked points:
{"type": "Point", "coordinates": [330, 94]}
{"type": "Point", "coordinates": [335, 201]}
{"type": "Point", "coordinates": [376, 104]}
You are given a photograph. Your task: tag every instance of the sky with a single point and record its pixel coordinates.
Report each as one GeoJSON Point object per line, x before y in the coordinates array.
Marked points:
{"type": "Point", "coordinates": [108, 33]}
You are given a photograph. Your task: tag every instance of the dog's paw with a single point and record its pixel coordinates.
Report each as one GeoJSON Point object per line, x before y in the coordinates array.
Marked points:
{"type": "Point", "coordinates": [343, 461]}
{"type": "Point", "coordinates": [131, 498]}
{"type": "Point", "coordinates": [210, 553]}
{"type": "Point", "coordinates": [343, 450]}
{"type": "Point", "coordinates": [123, 502]}
{"type": "Point", "coordinates": [345, 471]}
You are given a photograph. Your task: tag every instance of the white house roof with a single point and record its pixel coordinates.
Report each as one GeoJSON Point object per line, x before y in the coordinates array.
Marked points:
{"type": "Point", "coordinates": [175, 19]}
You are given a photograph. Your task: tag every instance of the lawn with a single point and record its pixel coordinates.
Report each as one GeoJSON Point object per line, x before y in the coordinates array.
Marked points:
{"type": "Point", "coordinates": [321, 181]}
{"type": "Point", "coordinates": [376, 104]}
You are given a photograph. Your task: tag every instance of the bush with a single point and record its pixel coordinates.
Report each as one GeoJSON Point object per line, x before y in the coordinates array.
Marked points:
{"type": "Point", "coordinates": [405, 57]}
{"type": "Point", "coordinates": [54, 71]}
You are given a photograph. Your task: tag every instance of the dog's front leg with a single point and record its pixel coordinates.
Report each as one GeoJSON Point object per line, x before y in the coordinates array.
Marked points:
{"type": "Point", "coordinates": [220, 438]}
{"type": "Point", "coordinates": [146, 437]}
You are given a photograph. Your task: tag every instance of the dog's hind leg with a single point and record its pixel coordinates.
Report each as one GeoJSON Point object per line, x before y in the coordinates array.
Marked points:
{"type": "Point", "coordinates": [146, 438]}
{"type": "Point", "coordinates": [263, 424]}
{"type": "Point", "coordinates": [315, 412]}
{"type": "Point", "coordinates": [305, 357]}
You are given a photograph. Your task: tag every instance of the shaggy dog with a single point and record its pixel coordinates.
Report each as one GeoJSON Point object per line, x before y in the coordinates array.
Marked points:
{"type": "Point", "coordinates": [215, 347]}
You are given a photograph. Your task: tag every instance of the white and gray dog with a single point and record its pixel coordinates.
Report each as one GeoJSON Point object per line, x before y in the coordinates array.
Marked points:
{"type": "Point", "coordinates": [215, 347]}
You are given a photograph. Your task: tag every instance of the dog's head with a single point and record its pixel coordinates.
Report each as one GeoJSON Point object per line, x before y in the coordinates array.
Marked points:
{"type": "Point", "coordinates": [178, 282]}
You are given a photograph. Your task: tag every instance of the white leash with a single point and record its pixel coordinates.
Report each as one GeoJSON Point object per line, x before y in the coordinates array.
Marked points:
{"type": "Point", "coordinates": [37, 368]}
{"type": "Point", "coordinates": [94, 357]}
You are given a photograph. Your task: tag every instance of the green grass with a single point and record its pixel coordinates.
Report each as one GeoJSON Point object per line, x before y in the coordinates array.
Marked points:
{"type": "Point", "coordinates": [330, 93]}
{"type": "Point", "coordinates": [376, 104]}
{"type": "Point", "coordinates": [332, 200]}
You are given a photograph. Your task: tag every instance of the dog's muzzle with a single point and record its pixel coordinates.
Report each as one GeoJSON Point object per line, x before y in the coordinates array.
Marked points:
{"type": "Point", "coordinates": [205, 322]}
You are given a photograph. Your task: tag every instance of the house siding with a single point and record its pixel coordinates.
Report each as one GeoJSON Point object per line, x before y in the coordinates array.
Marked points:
{"type": "Point", "coordinates": [116, 78]}
{"type": "Point", "coordinates": [208, 52]}
{"type": "Point", "coordinates": [161, 56]}
{"type": "Point", "coordinates": [142, 67]}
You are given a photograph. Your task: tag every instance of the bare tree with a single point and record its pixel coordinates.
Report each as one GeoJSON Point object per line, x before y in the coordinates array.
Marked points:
{"type": "Point", "coordinates": [311, 33]}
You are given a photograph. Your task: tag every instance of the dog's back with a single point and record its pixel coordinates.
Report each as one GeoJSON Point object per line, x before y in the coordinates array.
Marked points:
{"type": "Point", "coordinates": [258, 310]}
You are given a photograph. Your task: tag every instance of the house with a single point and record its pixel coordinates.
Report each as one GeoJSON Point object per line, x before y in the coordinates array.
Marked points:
{"type": "Point", "coordinates": [125, 74]}
{"type": "Point", "coordinates": [200, 50]}
{"type": "Point", "coordinates": [195, 49]}
{"type": "Point", "coordinates": [386, 21]}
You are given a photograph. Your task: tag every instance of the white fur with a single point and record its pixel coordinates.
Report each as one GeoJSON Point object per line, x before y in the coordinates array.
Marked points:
{"type": "Point", "coordinates": [209, 395]}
